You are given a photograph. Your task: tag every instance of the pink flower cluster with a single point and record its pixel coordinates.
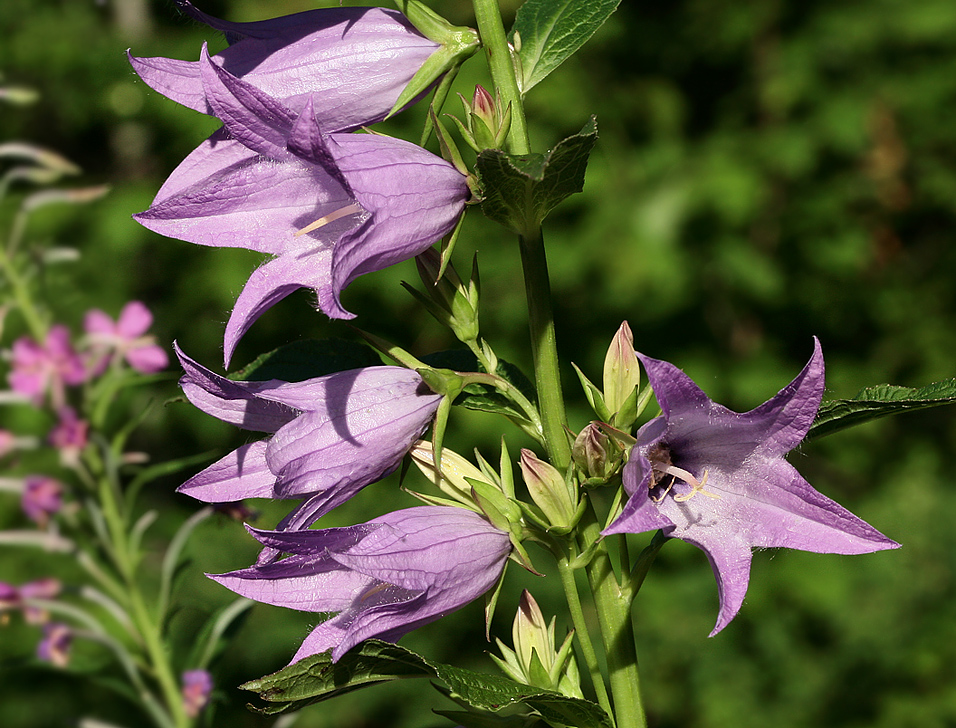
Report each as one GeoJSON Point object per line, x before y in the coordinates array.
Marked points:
{"type": "Point", "coordinates": [48, 368]}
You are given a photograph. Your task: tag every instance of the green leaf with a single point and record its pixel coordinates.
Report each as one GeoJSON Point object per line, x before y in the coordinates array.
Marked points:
{"type": "Point", "coordinates": [520, 190]}
{"type": "Point", "coordinates": [551, 31]}
{"type": "Point", "coordinates": [309, 358]}
{"type": "Point", "coordinates": [317, 678]}
{"type": "Point", "coordinates": [879, 401]}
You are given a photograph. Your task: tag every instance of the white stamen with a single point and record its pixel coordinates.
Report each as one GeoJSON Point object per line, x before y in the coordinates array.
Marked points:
{"type": "Point", "coordinates": [331, 217]}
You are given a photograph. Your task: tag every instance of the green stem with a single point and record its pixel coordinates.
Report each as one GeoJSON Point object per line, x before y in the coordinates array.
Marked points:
{"type": "Point", "coordinates": [613, 605]}
{"type": "Point", "coordinates": [495, 42]}
{"type": "Point", "coordinates": [21, 294]}
{"type": "Point", "coordinates": [582, 634]}
{"type": "Point", "coordinates": [149, 628]}
{"type": "Point", "coordinates": [547, 374]}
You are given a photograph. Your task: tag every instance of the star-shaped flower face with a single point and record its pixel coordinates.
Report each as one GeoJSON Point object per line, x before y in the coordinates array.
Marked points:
{"type": "Point", "coordinates": [327, 207]}
{"type": "Point", "coordinates": [357, 60]}
{"type": "Point", "coordinates": [718, 479]}
{"type": "Point", "coordinates": [383, 578]}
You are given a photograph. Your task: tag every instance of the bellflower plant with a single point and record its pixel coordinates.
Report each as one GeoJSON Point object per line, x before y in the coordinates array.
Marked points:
{"type": "Point", "coordinates": [717, 479]}
{"type": "Point", "coordinates": [328, 207]}
{"type": "Point", "coordinates": [331, 436]}
{"type": "Point", "coordinates": [357, 60]}
{"type": "Point", "coordinates": [383, 578]}
{"type": "Point", "coordinates": [294, 176]}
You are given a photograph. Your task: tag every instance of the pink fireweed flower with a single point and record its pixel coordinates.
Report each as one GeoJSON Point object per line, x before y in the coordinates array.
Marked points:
{"type": "Point", "coordinates": [125, 338]}
{"type": "Point", "coordinates": [13, 597]}
{"type": "Point", "coordinates": [332, 435]}
{"type": "Point", "coordinates": [55, 645]}
{"type": "Point", "coordinates": [327, 207]}
{"type": "Point", "coordinates": [357, 60]}
{"type": "Point", "coordinates": [69, 436]}
{"type": "Point", "coordinates": [42, 498]}
{"type": "Point", "coordinates": [383, 578]}
{"type": "Point", "coordinates": [197, 687]}
{"type": "Point", "coordinates": [49, 367]}
{"type": "Point", "coordinates": [717, 479]}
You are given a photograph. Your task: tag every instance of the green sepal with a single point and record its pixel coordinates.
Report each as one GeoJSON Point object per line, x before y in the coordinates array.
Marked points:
{"type": "Point", "coordinates": [393, 352]}
{"type": "Point", "coordinates": [449, 150]}
{"type": "Point", "coordinates": [506, 468]}
{"type": "Point", "coordinates": [538, 675]}
{"type": "Point", "coordinates": [632, 408]}
{"type": "Point", "coordinates": [491, 603]}
{"type": "Point", "coordinates": [457, 45]}
{"type": "Point", "coordinates": [520, 190]}
{"type": "Point", "coordinates": [504, 514]}
{"type": "Point", "coordinates": [594, 395]}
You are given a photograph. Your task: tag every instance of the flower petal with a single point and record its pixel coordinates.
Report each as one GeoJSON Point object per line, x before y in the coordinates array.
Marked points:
{"type": "Point", "coordinates": [243, 473]}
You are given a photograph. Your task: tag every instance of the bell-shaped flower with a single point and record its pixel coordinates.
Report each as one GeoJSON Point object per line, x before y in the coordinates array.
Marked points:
{"type": "Point", "coordinates": [717, 479]}
{"type": "Point", "coordinates": [383, 578]}
{"type": "Point", "coordinates": [332, 435]}
{"type": "Point", "coordinates": [357, 60]}
{"type": "Point", "coordinates": [328, 207]}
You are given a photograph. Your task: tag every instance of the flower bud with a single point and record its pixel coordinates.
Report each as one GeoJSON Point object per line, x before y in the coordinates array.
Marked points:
{"type": "Point", "coordinates": [197, 687]}
{"type": "Point", "coordinates": [534, 660]}
{"type": "Point", "coordinates": [451, 301]}
{"type": "Point", "coordinates": [485, 126]}
{"type": "Point", "coordinates": [549, 490]}
{"type": "Point", "coordinates": [622, 373]}
{"type": "Point", "coordinates": [55, 645]}
{"type": "Point", "coordinates": [454, 475]}
{"type": "Point", "coordinates": [596, 454]}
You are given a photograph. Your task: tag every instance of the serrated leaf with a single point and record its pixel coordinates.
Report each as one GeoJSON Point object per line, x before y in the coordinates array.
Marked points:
{"type": "Point", "coordinates": [874, 402]}
{"type": "Point", "coordinates": [309, 358]}
{"type": "Point", "coordinates": [520, 190]}
{"type": "Point", "coordinates": [317, 678]}
{"type": "Point", "coordinates": [551, 31]}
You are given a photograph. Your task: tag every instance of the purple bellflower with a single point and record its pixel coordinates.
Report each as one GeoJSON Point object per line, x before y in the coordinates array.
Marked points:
{"type": "Point", "coordinates": [384, 578]}
{"type": "Point", "coordinates": [328, 207]}
{"type": "Point", "coordinates": [357, 60]}
{"type": "Point", "coordinates": [717, 479]}
{"type": "Point", "coordinates": [333, 435]}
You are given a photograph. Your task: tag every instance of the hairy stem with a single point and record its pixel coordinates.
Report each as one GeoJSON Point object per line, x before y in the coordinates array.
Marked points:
{"type": "Point", "coordinates": [493, 38]}
{"type": "Point", "coordinates": [613, 604]}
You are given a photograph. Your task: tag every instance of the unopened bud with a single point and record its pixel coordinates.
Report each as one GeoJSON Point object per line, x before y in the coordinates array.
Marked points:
{"type": "Point", "coordinates": [534, 659]}
{"type": "Point", "coordinates": [596, 454]}
{"type": "Point", "coordinates": [455, 303]}
{"type": "Point", "coordinates": [622, 373]}
{"type": "Point", "coordinates": [549, 490]}
{"type": "Point", "coordinates": [455, 475]}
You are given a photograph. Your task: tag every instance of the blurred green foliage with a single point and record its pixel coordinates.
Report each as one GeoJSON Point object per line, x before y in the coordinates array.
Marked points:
{"type": "Point", "coordinates": [766, 171]}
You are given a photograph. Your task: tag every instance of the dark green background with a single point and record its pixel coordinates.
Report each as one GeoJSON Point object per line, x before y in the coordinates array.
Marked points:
{"type": "Point", "coordinates": [766, 171]}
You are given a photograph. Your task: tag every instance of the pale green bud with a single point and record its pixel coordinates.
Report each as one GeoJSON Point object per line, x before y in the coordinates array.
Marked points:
{"type": "Point", "coordinates": [622, 372]}
{"type": "Point", "coordinates": [549, 490]}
